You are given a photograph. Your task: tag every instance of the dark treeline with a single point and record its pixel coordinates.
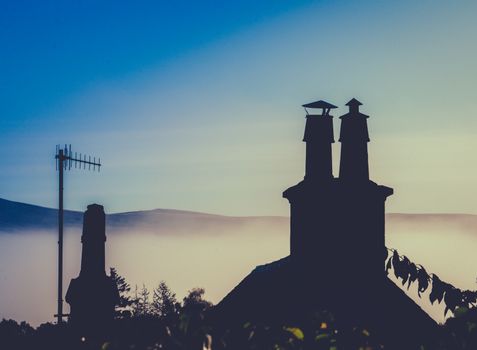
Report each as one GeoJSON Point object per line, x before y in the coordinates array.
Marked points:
{"type": "Point", "coordinates": [144, 319]}
{"type": "Point", "coordinates": [155, 319]}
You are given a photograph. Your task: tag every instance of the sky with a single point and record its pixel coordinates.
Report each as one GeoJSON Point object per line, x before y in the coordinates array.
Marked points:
{"type": "Point", "coordinates": [196, 105]}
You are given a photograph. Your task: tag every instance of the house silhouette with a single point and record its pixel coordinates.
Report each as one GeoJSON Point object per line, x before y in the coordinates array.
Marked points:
{"type": "Point", "coordinates": [337, 247]}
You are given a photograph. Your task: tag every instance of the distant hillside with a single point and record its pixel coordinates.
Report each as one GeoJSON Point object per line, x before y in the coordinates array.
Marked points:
{"type": "Point", "coordinates": [15, 216]}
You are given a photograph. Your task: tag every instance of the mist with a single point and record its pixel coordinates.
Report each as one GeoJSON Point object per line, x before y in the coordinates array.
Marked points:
{"type": "Point", "coordinates": [215, 257]}
{"type": "Point", "coordinates": [216, 254]}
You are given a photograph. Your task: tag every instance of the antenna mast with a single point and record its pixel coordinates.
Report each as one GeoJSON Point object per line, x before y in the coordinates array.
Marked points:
{"type": "Point", "coordinates": [64, 159]}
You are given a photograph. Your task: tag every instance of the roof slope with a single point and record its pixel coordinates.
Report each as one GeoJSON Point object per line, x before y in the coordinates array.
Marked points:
{"type": "Point", "coordinates": [276, 294]}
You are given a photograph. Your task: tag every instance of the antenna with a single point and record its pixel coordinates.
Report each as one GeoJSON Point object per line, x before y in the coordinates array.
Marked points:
{"type": "Point", "coordinates": [64, 159]}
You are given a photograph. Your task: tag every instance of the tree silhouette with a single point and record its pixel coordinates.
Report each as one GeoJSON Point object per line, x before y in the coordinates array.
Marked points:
{"type": "Point", "coordinates": [141, 305]}
{"type": "Point", "coordinates": [15, 335]}
{"type": "Point", "coordinates": [123, 307]}
{"type": "Point", "coordinates": [164, 302]}
{"type": "Point", "coordinates": [194, 300]}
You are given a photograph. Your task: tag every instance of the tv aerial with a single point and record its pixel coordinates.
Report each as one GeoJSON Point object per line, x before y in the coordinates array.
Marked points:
{"type": "Point", "coordinates": [64, 161]}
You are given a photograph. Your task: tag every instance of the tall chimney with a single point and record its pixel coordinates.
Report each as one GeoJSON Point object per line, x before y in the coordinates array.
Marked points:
{"type": "Point", "coordinates": [93, 240]}
{"type": "Point", "coordinates": [318, 138]}
{"type": "Point", "coordinates": [92, 295]}
{"type": "Point", "coordinates": [354, 140]}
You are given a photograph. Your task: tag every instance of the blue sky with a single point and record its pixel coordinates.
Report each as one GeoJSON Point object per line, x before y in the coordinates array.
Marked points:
{"type": "Point", "coordinates": [196, 105]}
{"type": "Point", "coordinates": [54, 49]}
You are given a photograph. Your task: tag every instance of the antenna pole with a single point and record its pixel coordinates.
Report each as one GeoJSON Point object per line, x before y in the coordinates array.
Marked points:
{"type": "Point", "coordinates": [60, 237]}
{"type": "Point", "coordinates": [64, 157]}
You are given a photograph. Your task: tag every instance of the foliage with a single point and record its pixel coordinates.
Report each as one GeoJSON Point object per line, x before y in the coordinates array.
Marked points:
{"type": "Point", "coordinates": [13, 333]}
{"type": "Point", "coordinates": [141, 306]}
{"type": "Point", "coordinates": [409, 273]}
{"type": "Point", "coordinates": [164, 302]}
{"type": "Point", "coordinates": [164, 323]}
{"type": "Point", "coordinates": [12, 328]}
{"type": "Point", "coordinates": [322, 331]}
{"type": "Point", "coordinates": [462, 329]}
{"type": "Point", "coordinates": [172, 334]}
{"type": "Point", "coordinates": [195, 300]}
{"type": "Point", "coordinates": [125, 301]}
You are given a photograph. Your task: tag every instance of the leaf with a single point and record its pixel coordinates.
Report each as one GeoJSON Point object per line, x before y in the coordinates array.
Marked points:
{"type": "Point", "coordinates": [405, 272]}
{"type": "Point", "coordinates": [322, 336]}
{"type": "Point", "coordinates": [401, 267]}
{"type": "Point", "coordinates": [437, 292]}
{"type": "Point", "coordinates": [405, 261]}
{"type": "Point", "coordinates": [297, 332]}
{"type": "Point", "coordinates": [452, 297]}
{"type": "Point", "coordinates": [404, 278]}
{"type": "Point", "coordinates": [396, 261]}
{"type": "Point", "coordinates": [412, 274]}
{"type": "Point", "coordinates": [423, 280]}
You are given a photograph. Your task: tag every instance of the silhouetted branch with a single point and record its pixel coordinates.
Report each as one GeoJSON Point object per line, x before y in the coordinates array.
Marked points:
{"type": "Point", "coordinates": [409, 273]}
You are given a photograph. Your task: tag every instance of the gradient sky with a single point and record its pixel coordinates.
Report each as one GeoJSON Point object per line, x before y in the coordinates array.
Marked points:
{"type": "Point", "coordinates": [196, 105]}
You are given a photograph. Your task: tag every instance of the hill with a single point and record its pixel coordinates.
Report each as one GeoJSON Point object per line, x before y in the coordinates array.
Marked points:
{"type": "Point", "coordinates": [21, 217]}
{"type": "Point", "coordinates": [17, 217]}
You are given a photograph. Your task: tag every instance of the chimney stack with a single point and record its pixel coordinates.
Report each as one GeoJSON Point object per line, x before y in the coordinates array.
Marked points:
{"type": "Point", "coordinates": [318, 138]}
{"type": "Point", "coordinates": [93, 240]}
{"type": "Point", "coordinates": [92, 295]}
{"type": "Point", "coordinates": [354, 140]}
